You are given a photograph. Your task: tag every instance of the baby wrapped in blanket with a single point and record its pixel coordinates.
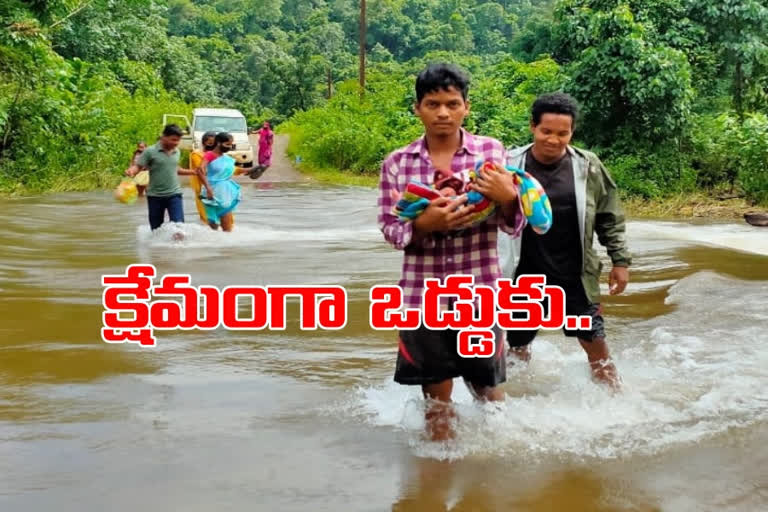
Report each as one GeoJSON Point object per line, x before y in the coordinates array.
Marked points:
{"type": "Point", "coordinates": [417, 196]}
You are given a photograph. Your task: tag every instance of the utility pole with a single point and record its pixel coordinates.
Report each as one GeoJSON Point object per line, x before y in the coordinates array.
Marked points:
{"type": "Point", "coordinates": [362, 48]}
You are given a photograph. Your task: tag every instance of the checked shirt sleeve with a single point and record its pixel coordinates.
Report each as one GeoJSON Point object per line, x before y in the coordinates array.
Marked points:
{"type": "Point", "coordinates": [397, 232]}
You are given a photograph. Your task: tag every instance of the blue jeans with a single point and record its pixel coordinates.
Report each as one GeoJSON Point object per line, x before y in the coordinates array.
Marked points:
{"type": "Point", "coordinates": [157, 207]}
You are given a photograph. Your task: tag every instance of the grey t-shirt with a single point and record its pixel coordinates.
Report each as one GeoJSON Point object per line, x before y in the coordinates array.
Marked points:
{"type": "Point", "coordinates": [163, 168]}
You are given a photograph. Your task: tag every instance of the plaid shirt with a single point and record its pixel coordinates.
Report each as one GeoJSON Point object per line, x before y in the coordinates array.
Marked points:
{"type": "Point", "coordinates": [472, 251]}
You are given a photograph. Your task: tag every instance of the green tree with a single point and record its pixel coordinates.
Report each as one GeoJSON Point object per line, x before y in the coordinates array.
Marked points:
{"type": "Point", "coordinates": [627, 82]}
{"type": "Point", "coordinates": [737, 30]}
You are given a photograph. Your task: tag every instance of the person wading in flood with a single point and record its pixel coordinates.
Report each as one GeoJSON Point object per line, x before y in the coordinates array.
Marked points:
{"type": "Point", "coordinates": [142, 178]}
{"type": "Point", "coordinates": [196, 158]}
{"type": "Point", "coordinates": [220, 194]}
{"type": "Point", "coordinates": [164, 191]}
{"type": "Point", "coordinates": [444, 240]}
{"type": "Point", "coordinates": [584, 201]}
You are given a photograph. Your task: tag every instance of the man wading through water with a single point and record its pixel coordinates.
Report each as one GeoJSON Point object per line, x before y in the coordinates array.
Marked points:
{"type": "Point", "coordinates": [164, 192]}
{"type": "Point", "coordinates": [444, 241]}
{"type": "Point", "coordinates": [584, 201]}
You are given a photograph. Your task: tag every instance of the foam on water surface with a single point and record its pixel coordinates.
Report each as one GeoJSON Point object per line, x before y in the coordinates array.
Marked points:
{"type": "Point", "coordinates": [199, 236]}
{"type": "Point", "coordinates": [689, 375]}
{"type": "Point", "coordinates": [740, 237]}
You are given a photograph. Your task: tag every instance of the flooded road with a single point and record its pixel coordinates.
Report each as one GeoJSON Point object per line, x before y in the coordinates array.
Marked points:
{"type": "Point", "coordinates": [311, 420]}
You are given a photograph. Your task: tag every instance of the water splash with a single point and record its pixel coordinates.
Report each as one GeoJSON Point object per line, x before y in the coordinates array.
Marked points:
{"type": "Point", "coordinates": [200, 236]}
{"type": "Point", "coordinates": [688, 376]}
{"type": "Point", "coordinates": [741, 237]}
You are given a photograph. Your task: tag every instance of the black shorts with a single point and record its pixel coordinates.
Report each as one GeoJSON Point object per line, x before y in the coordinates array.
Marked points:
{"type": "Point", "coordinates": [576, 303]}
{"type": "Point", "coordinates": [427, 356]}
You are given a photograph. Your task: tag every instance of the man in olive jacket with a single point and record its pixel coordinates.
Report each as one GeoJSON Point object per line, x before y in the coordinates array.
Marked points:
{"type": "Point", "coordinates": [584, 201]}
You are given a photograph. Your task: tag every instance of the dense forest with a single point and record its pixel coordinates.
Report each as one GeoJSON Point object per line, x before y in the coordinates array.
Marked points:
{"type": "Point", "coordinates": [674, 93]}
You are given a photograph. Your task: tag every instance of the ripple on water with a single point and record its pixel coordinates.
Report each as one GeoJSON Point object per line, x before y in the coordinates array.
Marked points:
{"type": "Point", "coordinates": [688, 375]}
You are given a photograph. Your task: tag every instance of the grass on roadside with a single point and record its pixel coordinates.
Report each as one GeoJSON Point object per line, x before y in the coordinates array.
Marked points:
{"type": "Point", "coordinates": [336, 177]}
{"type": "Point", "coordinates": [679, 206]}
{"type": "Point", "coordinates": [686, 206]}
{"type": "Point", "coordinates": [97, 177]}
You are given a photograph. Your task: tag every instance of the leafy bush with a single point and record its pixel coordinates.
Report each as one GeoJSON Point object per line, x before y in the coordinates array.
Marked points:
{"type": "Point", "coordinates": [727, 151]}
{"type": "Point", "coordinates": [351, 135]}
{"type": "Point", "coordinates": [356, 136]}
{"type": "Point", "coordinates": [652, 175]}
{"type": "Point", "coordinates": [753, 157]}
{"type": "Point", "coordinates": [78, 129]}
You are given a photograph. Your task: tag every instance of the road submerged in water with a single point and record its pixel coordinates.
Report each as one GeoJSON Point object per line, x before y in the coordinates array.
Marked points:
{"type": "Point", "coordinates": [311, 420]}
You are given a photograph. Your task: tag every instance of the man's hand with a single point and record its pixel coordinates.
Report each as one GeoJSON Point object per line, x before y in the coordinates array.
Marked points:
{"type": "Point", "coordinates": [617, 280]}
{"type": "Point", "coordinates": [496, 184]}
{"type": "Point", "coordinates": [444, 214]}
{"type": "Point", "coordinates": [132, 171]}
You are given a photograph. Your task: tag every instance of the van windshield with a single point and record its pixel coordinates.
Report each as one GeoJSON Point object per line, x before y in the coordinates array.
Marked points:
{"type": "Point", "coordinates": [220, 124]}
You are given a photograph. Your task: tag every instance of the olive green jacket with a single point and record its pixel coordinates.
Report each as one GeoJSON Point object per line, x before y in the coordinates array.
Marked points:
{"type": "Point", "coordinates": [599, 211]}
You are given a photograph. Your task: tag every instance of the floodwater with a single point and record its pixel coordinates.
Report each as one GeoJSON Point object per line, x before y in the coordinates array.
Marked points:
{"type": "Point", "coordinates": [312, 421]}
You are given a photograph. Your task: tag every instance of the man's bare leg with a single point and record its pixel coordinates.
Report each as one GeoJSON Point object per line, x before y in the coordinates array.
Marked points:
{"type": "Point", "coordinates": [439, 413]}
{"type": "Point", "coordinates": [600, 362]}
{"type": "Point", "coordinates": [483, 394]}
{"type": "Point", "coordinates": [522, 353]}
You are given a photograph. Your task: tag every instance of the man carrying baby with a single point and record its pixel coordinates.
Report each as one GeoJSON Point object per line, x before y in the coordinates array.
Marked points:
{"type": "Point", "coordinates": [445, 240]}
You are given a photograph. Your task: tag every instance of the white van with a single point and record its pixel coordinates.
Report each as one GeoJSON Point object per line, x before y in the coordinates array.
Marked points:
{"type": "Point", "coordinates": [220, 120]}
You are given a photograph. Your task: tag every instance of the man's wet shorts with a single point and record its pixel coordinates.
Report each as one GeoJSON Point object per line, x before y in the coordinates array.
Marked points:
{"type": "Point", "coordinates": [430, 356]}
{"type": "Point", "coordinates": [576, 303]}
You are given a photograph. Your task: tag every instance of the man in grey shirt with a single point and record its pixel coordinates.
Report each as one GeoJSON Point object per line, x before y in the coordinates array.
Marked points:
{"type": "Point", "coordinates": [164, 191]}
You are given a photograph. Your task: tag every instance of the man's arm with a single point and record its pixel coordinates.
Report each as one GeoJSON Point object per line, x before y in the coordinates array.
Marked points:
{"type": "Point", "coordinates": [610, 222]}
{"type": "Point", "coordinates": [498, 185]}
{"type": "Point", "coordinates": [610, 226]}
{"type": "Point", "coordinates": [441, 215]}
{"type": "Point", "coordinates": [398, 233]}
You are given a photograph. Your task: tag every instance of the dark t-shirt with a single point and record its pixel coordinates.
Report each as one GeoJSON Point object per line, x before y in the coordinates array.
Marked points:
{"type": "Point", "coordinates": [557, 254]}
